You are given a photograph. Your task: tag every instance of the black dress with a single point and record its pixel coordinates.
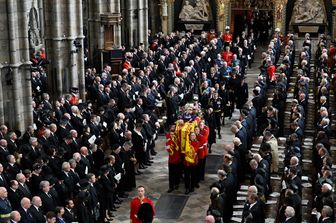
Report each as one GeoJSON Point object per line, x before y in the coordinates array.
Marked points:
{"type": "Point", "coordinates": [211, 123]}
{"type": "Point", "coordinates": [128, 180]}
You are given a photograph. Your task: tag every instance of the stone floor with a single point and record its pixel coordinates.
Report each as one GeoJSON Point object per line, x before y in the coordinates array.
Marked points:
{"type": "Point", "coordinates": [155, 178]}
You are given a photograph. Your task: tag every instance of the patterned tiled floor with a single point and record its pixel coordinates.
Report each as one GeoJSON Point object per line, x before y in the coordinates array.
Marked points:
{"type": "Point", "coordinates": [155, 178]}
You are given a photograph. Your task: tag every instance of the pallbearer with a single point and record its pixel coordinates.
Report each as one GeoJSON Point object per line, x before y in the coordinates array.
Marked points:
{"type": "Point", "coordinates": [174, 160]}
{"type": "Point", "coordinates": [190, 163]}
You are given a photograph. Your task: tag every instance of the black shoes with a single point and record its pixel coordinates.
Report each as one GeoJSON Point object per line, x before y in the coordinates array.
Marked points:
{"type": "Point", "coordinates": [142, 166]}
{"type": "Point", "coordinates": [117, 201]}
{"type": "Point", "coordinates": [124, 195]}
{"type": "Point", "coordinates": [170, 190]}
{"type": "Point", "coordinates": [187, 191]}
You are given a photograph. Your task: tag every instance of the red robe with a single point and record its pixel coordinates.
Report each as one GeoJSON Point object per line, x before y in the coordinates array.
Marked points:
{"type": "Point", "coordinates": [135, 205]}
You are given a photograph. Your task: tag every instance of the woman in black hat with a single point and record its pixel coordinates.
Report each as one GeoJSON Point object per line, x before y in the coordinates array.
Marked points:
{"type": "Point", "coordinates": [108, 190]}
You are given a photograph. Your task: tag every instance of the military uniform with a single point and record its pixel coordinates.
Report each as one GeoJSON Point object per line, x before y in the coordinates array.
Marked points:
{"type": "Point", "coordinates": [5, 209]}
{"type": "Point", "coordinates": [174, 163]}
{"type": "Point", "coordinates": [217, 105]}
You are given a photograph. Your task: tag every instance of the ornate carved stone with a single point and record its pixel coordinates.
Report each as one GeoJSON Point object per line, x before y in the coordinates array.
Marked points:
{"type": "Point", "coordinates": [34, 29]}
{"type": "Point", "coordinates": [195, 10]}
{"type": "Point", "coordinates": [308, 11]}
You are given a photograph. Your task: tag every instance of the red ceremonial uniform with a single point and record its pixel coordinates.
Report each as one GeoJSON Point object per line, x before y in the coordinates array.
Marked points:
{"type": "Point", "coordinates": [227, 37]}
{"type": "Point", "coordinates": [176, 68]}
{"type": "Point", "coordinates": [174, 155]}
{"type": "Point", "coordinates": [203, 139]}
{"type": "Point", "coordinates": [227, 56]}
{"type": "Point", "coordinates": [271, 72]}
{"type": "Point", "coordinates": [127, 65]}
{"type": "Point", "coordinates": [195, 146]}
{"type": "Point", "coordinates": [74, 100]}
{"type": "Point", "coordinates": [135, 205]}
{"type": "Point", "coordinates": [331, 57]}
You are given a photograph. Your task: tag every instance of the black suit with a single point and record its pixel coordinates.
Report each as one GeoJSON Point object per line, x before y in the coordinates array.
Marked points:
{"type": "Point", "coordinates": [77, 123]}
{"type": "Point", "coordinates": [44, 142]}
{"type": "Point", "coordinates": [62, 132]}
{"type": "Point", "coordinates": [24, 191]}
{"type": "Point", "coordinates": [291, 220]}
{"type": "Point", "coordinates": [253, 214]}
{"type": "Point", "coordinates": [83, 214]}
{"type": "Point", "coordinates": [30, 154]}
{"type": "Point", "coordinates": [12, 171]}
{"type": "Point", "coordinates": [3, 181]}
{"type": "Point", "coordinates": [53, 139]}
{"type": "Point", "coordinates": [3, 154]}
{"type": "Point", "coordinates": [37, 216]}
{"type": "Point", "coordinates": [15, 198]}
{"type": "Point", "coordinates": [93, 200]}
{"type": "Point", "coordinates": [12, 147]}
{"type": "Point", "coordinates": [26, 216]}
{"type": "Point", "coordinates": [68, 216]}
{"type": "Point", "coordinates": [48, 202]}
{"type": "Point", "coordinates": [69, 182]}
{"type": "Point", "coordinates": [328, 220]}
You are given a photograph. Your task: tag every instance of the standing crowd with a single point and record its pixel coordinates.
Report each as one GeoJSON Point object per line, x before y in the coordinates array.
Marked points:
{"type": "Point", "coordinates": [79, 159]}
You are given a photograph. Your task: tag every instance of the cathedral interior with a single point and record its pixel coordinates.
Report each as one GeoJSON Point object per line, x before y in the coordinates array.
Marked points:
{"type": "Point", "coordinates": [82, 80]}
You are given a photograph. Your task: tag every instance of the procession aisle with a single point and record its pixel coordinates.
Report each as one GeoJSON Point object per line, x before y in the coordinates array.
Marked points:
{"type": "Point", "coordinates": [155, 178]}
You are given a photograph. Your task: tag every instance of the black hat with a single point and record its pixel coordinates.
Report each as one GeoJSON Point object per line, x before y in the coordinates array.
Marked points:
{"type": "Point", "coordinates": [74, 90]}
{"type": "Point", "coordinates": [36, 166]}
{"type": "Point", "coordinates": [83, 184]}
{"type": "Point", "coordinates": [104, 168]}
{"type": "Point", "coordinates": [53, 180]}
{"type": "Point", "coordinates": [81, 106]}
{"type": "Point", "coordinates": [115, 146]}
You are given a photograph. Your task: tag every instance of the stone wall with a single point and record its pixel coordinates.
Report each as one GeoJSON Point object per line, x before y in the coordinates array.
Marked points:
{"type": "Point", "coordinates": [15, 84]}
{"type": "Point", "coordinates": [63, 27]}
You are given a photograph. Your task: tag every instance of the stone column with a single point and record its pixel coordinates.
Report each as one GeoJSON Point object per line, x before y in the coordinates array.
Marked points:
{"type": "Point", "coordinates": [14, 61]}
{"type": "Point", "coordinates": [164, 16]}
{"type": "Point", "coordinates": [25, 67]}
{"type": "Point", "coordinates": [145, 41]}
{"type": "Point", "coordinates": [41, 17]}
{"type": "Point", "coordinates": [2, 114]}
{"type": "Point", "coordinates": [131, 22]}
{"type": "Point", "coordinates": [71, 31]}
{"type": "Point", "coordinates": [142, 22]}
{"type": "Point", "coordinates": [80, 61]}
{"type": "Point", "coordinates": [170, 16]}
{"type": "Point", "coordinates": [54, 47]}
{"type": "Point", "coordinates": [334, 21]}
{"type": "Point", "coordinates": [117, 27]}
